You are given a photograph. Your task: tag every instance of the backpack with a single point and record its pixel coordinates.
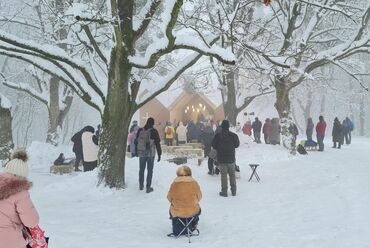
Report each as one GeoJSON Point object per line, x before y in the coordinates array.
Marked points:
{"type": "Point", "coordinates": [144, 142]}
{"type": "Point", "coordinates": [168, 131]}
{"type": "Point", "coordinates": [350, 125]}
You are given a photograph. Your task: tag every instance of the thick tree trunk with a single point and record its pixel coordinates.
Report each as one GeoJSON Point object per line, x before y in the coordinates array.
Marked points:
{"type": "Point", "coordinates": [282, 106]}
{"type": "Point", "coordinates": [116, 119]}
{"type": "Point", "coordinates": [6, 138]}
{"type": "Point", "coordinates": [230, 109]}
{"type": "Point", "coordinates": [54, 126]}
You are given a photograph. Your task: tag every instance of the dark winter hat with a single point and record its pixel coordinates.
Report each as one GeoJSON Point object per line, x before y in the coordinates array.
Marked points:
{"type": "Point", "coordinates": [321, 118]}
{"type": "Point", "coordinates": [89, 129]}
{"type": "Point", "coordinates": [225, 125]}
{"type": "Point", "coordinates": [150, 122]}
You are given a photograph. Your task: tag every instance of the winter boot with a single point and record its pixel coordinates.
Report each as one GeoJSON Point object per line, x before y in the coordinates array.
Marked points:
{"type": "Point", "coordinates": [223, 194]}
{"type": "Point", "coordinates": [149, 189]}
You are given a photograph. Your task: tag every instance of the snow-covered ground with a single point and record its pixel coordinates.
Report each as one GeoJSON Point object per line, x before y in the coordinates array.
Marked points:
{"type": "Point", "coordinates": [319, 200]}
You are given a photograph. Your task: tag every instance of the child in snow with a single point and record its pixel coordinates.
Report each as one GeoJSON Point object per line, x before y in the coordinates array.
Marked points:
{"type": "Point", "coordinates": [184, 196]}
{"type": "Point", "coordinates": [16, 208]}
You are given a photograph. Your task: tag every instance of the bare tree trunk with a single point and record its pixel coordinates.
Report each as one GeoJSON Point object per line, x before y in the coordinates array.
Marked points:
{"type": "Point", "coordinates": [6, 138]}
{"type": "Point", "coordinates": [118, 112]}
{"type": "Point", "coordinates": [283, 108]}
{"type": "Point", "coordinates": [230, 109]}
{"type": "Point", "coordinates": [53, 109]}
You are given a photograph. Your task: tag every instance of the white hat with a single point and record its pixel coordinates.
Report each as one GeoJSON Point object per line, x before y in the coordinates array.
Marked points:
{"type": "Point", "coordinates": [18, 165]}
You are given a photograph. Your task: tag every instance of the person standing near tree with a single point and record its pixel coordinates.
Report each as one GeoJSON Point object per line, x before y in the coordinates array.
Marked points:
{"type": "Point", "coordinates": [337, 133]}
{"type": "Point", "coordinates": [90, 148]}
{"type": "Point", "coordinates": [225, 144]}
{"type": "Point", "coordinates": [320, 133]}
{"type": "Point", "coordinates": [266, 130]}
{"type": "Point", "coordinates": [77, 148]}
{"type": "Point", "coordinates": [309, 128]}
{"type": "Point", "coordinates": [257, 126]}
{"type": "Point", "coordinates": [147, 143]}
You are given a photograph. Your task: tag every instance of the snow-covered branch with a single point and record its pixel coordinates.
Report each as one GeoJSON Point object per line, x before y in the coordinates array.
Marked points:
{"type": "Point", "coordinates": [170, 42]}
{"type": "Point", "coordinates": [40, 96]}
{"type": "Point", "coordinates": [53, 54]}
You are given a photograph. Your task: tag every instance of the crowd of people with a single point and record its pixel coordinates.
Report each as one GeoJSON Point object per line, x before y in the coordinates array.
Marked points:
{"type": "Point", "coordinates": [17, 211]}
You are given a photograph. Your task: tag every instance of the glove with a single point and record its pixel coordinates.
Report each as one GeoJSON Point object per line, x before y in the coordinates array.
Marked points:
{"type": "Point", "coordinates": [159, 158]}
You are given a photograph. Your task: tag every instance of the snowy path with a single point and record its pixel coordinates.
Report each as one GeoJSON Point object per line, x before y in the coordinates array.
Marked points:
{"type": "Point", "coordinates": [321, 201]}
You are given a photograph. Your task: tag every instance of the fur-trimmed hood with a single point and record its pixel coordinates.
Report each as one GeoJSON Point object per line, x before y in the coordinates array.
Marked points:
{"type": "Point", "coordinates": [11, 185]}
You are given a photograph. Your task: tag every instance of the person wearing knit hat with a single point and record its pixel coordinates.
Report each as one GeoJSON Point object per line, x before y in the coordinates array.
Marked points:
{"type": "Point", "coordinates": [18, 165]}
{"type": "Point", "coordinates": [225, 143]}
{"type": "Point", "coordinates": [16, 207]}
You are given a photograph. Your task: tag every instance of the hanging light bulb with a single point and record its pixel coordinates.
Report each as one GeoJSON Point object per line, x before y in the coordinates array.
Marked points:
{"type": "Point", "coordinates": [200, 105]}
{"type": "Point", "coordinates": [204, 108]}
{"type": "Point", "coordinates": [186, 111]}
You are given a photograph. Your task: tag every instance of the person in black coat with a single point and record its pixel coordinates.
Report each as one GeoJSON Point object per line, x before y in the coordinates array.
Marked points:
{"type": "Point", "coordinates": [191, 132]}
{"type": "Point", "coordinates": [225, 144]}
{"type": "Point", "coordinates": [257, 126]}
{"type": "Point", "coordinates": [207, 137]}
{"type": "Point", "coordinates": [77, 148]}
{"type": "Point", "coordinates": [337, 133]}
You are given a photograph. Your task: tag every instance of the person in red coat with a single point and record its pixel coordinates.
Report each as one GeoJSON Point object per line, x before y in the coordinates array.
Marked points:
{"type": "Point", "coordinates": [320, 132]}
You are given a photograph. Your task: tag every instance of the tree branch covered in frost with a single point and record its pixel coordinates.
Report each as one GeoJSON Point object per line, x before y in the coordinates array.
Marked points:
{"type": "Point", "coordinates": [40, 96]}
{"type": "Point", "coordinates": [171, 42]}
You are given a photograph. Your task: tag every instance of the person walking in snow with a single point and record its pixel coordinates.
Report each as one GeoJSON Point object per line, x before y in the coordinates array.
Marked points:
{"type": "Point", "coordinates": [89, 148]}
{"type": "Point", "coordinates": [350, 129]}
{"type": "Point", "coordinates": [257, 126]}
{"type": "Point", "coordinates": [181, 133]}
{"type": "Point", "coordinates": [77, 148]}
{"type": "Point", "coordinates": [225, 144]}
{"type": "Point", "coordinates": [132, 138]}
{"type": "Point", "coordinates": [320, 133]}
{"type": "Point", "coordinates": [309, 128]}
{"type": "Point", "coordinates": [275, 132]}
{"type": "Point", "coordinates": [147, 143]}
{"type": "Point", "coordinates": [16, 208]}
{"type": "Point", "coordinates": [247, 128]}
{"type": "Point", "coordinates": [267, 130]}
{"type": "Point", "coordinates": [184, 196]}
{"type": "Point", "coordinates": [207, 137]}
{"type": "Point", "coordinates": [337, 133]}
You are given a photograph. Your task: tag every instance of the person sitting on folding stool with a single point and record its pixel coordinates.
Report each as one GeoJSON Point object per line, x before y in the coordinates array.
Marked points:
{"type": "Point", "coordinates": [184, 196]}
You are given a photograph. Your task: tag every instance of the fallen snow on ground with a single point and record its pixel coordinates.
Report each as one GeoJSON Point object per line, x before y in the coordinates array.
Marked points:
{"type": "Point", "coordinates": [319, 200]}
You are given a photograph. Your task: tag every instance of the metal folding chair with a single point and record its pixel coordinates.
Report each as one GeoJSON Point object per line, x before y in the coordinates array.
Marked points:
{"type": "Point", "coordinates": [254, 172]}
{"type": "Point", "coordinates": [187, 224]}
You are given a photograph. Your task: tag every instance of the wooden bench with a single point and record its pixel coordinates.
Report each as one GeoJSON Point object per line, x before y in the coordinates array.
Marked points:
{"type": "Point", "coordinates": [64, 168]}
{"type": "Point", "coordinates": [194, 145]}
{"type": "Point", "coordinates": [189, 153]}
{"type": "Point", "coordinates": [172, 149]}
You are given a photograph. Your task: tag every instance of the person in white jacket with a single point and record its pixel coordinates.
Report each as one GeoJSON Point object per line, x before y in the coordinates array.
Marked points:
{"type": "Point", "coordinates": [89, 148]}
{"type": "Point", "coordinates": [181, 133]}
